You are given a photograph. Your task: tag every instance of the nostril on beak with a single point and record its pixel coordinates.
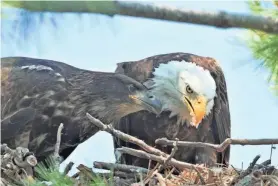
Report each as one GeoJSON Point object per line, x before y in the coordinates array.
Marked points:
{"type": "Point", "coordinates": [151, 96]}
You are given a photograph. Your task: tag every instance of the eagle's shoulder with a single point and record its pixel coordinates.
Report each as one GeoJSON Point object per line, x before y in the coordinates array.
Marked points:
{"type": "Point", "coordinates": [26, 83]}
{"type": "Point", "coordinates": [38, 64]}
{"type": "Point", "coordinates": [142, 69]}
{"type": "Point", "coordinates": [30, 72]}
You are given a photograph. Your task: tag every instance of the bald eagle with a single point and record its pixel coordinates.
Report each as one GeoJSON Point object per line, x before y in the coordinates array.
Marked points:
{"type": "Point", "coordinates": [193, 93]}
{"type": "Point", "coordinates": [37, 95]}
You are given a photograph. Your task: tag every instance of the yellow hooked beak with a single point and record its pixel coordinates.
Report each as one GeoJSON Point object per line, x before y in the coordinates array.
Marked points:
{"type": "Point", "coordinates": [197, 108]}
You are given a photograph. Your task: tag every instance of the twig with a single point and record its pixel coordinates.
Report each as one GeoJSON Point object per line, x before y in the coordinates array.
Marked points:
{"type": "Point", "coordinates": [174, 150]}
{"type": "Point", "coordinates": [247, 171]}
{"type": "Point", "coordinates": [57, 145]}
{"type": "Point", "coordinates": [161, 180]}
{"type": "Point", "coordinates": [263, 164]}
{"type": "Point", "coordinates": [221, 147]}
{"type": "Point", "coordinates": [121, 174]}
{"type": "Point", "coordinates": [151, 174]}
{"type": "Point", "coordinates": [266, 163]}
{"type": "Point", "coordinates": [217, 19]}
{"type": "Point", "coordinates": [172, 170]}
{"type": "Point", "coordinates": [125, 137]}
{"type": "Point", "coordinates": [238, 173]}
{"type": "Point", "coordinates": [10, 177]}
{"type": "Point", "coordinates": [272, 148]}
{"type": "Point", "coordinates": [271, 178]}
{"type": "Point", "coordinates": [86, 171]}
{"type": "Point", "coordinates": [200, 176]}
{"type": "Point", "coordinates": [75, 175]}
{"type": "Point", "coordinates": [250, 168]}
{"type": "Point", "coordinates": [160, 159]}
{"type": "Point", "coordinates": [90, 174]}
{"type": "Point", "coordinates": [119, 167]}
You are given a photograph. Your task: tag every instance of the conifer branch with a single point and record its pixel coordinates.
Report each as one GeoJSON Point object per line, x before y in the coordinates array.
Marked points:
{"type": "Point", "coordinates": [217, 19]}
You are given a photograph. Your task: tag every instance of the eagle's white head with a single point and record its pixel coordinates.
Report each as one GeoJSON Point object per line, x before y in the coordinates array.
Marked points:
{"type": "Point", "coordinates": [185, 89]}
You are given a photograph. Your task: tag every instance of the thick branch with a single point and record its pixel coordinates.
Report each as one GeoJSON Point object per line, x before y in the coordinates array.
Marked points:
{"type": "Point", "coordinates": [119, 167]}
{"type": "Point", "coordinates": [218, 19]}
{"type": "Point", "coordinates": [219, 148]}
{"type": "Point", "coordinates": [124, 137]}
{"type": "Point", "coordinates": [159, 159]}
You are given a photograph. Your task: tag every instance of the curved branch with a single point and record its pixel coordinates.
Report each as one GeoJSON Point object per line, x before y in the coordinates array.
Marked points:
{"type": "Point", "coordinates": [219, 148]}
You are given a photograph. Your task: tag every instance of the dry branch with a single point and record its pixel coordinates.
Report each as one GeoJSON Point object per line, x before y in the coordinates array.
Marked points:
{"type": "Point", "coordinates": [141, 154]}
{"type": "Point", "coordinates": [174, 150]}
{"type": "Point", "coordinates": [119, 167]}
{"type": "Point", "coordinates": [58, 141]}
{"type": "Point", "coordinates": [156, 155]}
{"type": "Point", "coordinates": [250, 168]}
{"type": "Point", "coordinates": [201, 175]}
{"type": "Point", "coordinates": [165, 163]}
{"type": "Point", "coordinates": [86, 171]}
{"type": "Point", "coordinates": [16, 164]}
{"type": "Point", "coordinates": [219, 148]}
{"type": "Point", "coordinates": [217, 19]}
{"type": "Point", "coordinates": [124, 137]}
{"type": "Point", "coordinates": [68, 167]}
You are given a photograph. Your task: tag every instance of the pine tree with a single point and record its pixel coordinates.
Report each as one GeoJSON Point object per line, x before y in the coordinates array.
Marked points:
{"type": "Point", "coordinates": [264, 46]}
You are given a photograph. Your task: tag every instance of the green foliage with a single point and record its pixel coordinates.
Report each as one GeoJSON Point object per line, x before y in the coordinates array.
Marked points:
{"type": "Point", "coordinates": [265, 46]}
{"type": "Point", "coordinates": [49, 172]}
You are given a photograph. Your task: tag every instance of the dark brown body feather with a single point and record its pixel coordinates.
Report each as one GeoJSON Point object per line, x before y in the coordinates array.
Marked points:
{"type": "Point", "coordinates": [36, 101]}
{"type": "Point", "coordinates": [214, 129]}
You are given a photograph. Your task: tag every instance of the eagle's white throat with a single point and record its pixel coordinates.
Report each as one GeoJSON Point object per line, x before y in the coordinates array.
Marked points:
{"type": "Point", "coordinates": [170, 81]}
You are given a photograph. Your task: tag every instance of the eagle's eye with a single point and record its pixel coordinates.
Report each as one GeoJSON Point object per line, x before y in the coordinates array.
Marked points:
{"type": "Point", "coordinates": [188, 89]}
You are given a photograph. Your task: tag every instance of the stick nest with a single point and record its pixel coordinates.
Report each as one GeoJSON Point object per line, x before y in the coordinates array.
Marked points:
{"type": "Point", "coordinates": [17, 165]}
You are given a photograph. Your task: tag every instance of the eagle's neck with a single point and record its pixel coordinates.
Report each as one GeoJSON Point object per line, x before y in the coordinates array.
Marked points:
{"type": "Point", "coordinates": [98, 107]}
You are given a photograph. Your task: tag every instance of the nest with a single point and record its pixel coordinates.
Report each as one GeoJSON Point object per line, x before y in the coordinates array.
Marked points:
{"type": "Point", "coordinates": [17, 166]}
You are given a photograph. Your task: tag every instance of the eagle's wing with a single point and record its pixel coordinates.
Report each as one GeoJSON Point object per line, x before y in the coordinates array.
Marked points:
{"type": "Point", "coordinates": [12, 124]}
{"type": "Point", "coordinates": [221, 112]}
{"type": "Point", "coordinates": [142, 70]}
{"type": "Point", "coordinates": [33, 98]}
